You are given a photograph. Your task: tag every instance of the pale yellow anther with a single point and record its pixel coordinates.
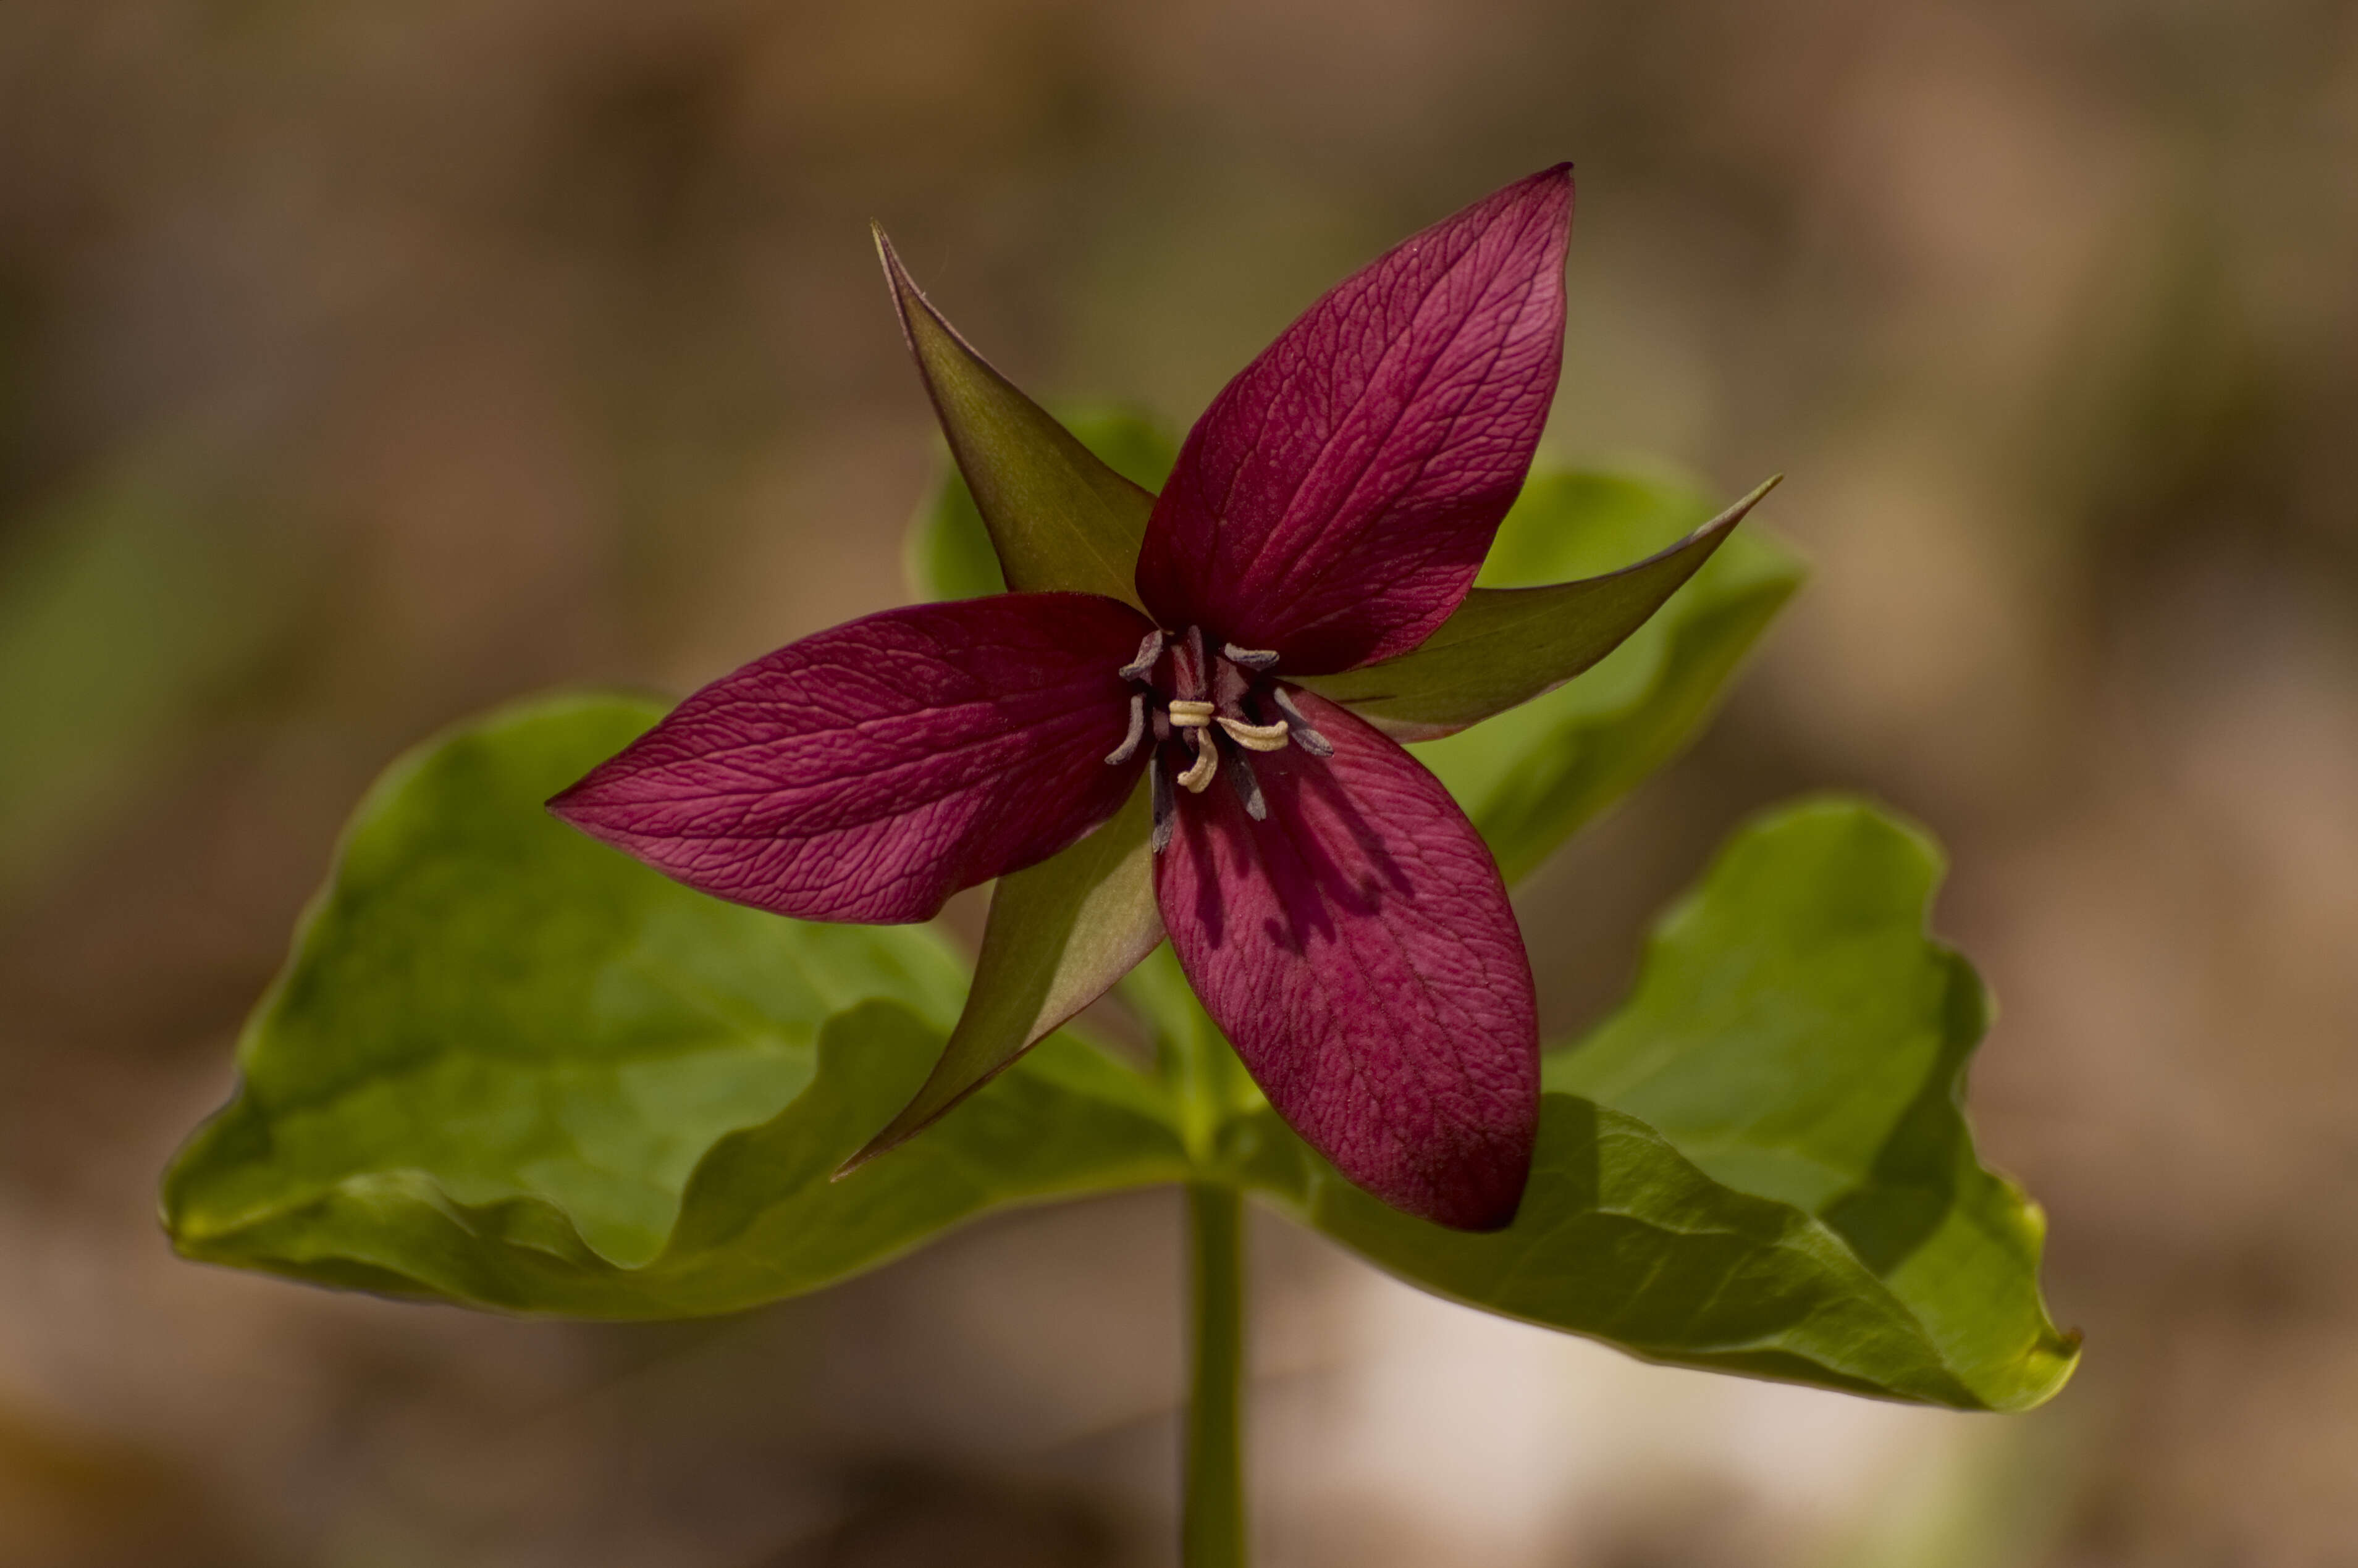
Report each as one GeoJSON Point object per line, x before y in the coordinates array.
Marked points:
{"type": "Point", "coordinates": [1191, 715]}
{"type": "Point", "coordinates": [1208, 763]}
{"type": "Point", "coordinates": [1255, 738]}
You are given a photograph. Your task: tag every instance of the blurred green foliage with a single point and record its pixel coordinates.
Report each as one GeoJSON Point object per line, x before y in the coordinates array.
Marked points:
{"type": "Point", "coordinates": [124, 607]}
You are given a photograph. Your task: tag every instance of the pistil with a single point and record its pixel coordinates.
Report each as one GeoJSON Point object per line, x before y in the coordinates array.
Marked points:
{"type": "Point", "coordinates": [1219, 708]}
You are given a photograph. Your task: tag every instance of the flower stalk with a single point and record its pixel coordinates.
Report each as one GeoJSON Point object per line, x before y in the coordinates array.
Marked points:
{"type": "Point", "coordinates": [1212, 1521]}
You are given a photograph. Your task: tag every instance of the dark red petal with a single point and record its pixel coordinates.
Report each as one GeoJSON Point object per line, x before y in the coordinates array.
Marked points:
{"type": "Point", "coordinates": [1336, 499]}
{"type": "Point", "coordinates": [870, 771]}
{"type": "Point", "coordinates": [1357, 949]}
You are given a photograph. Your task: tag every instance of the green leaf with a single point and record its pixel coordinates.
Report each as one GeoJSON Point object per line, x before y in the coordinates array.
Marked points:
{"type": "Point", "coordinates": [1757, 1164]}
{"type": "Point", "coordinates": [1506, 646]}
{"type": "Point", "coordinates": [1059, 516]}
{"type": "Point", "coordinates": [1060, 934]}
{"type": "Point", "coordinates": [1622, 1240]}
{"type": "Point", "coordinates": [1621, 1236]}
{"type": "Point", "coordinates": [1796, 1034]}
{"type": "Point", "coordinates": [950, 553]}
{"type": "Point", "coordinates": [1532, 776]}
{"type": "Point", "coordinates": [510, 1067]}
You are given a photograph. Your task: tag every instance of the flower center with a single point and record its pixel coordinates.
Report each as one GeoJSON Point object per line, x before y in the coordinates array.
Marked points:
{"type": "Point", "coordinates": [1195, 708]}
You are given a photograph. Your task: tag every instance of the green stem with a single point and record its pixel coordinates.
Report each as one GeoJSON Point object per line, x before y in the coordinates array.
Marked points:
{"type": "Point", "coordinates": [1212, 1528]}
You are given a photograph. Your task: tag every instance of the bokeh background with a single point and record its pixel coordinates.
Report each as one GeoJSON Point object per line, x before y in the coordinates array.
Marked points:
{"type": "Point", "coordinates": [363, 364]}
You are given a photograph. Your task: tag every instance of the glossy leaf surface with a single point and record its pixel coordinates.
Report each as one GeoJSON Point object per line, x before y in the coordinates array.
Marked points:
{"type": "Point", "coordinates": [1622, 1240]}
{"type": "Point", "coordinates": [1801, 1201]}
{"type": "Point", "coordinates": [1530, 776]}
{"type": "Point", "coordinates": [510, 1067]}
{"type": "Point", "coordinates": [1796, 1034]}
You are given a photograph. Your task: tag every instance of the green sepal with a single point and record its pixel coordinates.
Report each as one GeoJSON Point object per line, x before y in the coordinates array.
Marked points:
{"type": "Point", "coordinates": [509, 1066]}
{"type": "Point", "coordinates": [1506, 646]}
{"type": "Point", "coordinates": [948, 553]}
{"type": "Point", "coordinates": [1059, 519]}
{"type": "Point", "coordinates": [1059, 935]}
{"type": "Point", "coordinates": [1532, 776]}
{"type": "Point", "coordinates": [1061, 932]}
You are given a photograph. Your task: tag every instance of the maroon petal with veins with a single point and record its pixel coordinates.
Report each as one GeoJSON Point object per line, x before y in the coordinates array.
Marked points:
{"type": "Point", "coordinates": [870, 771]}
{"type": "Point", "coordinates": [1357, 948]}
{"type": "Point", "coordinates": [1335, 500]}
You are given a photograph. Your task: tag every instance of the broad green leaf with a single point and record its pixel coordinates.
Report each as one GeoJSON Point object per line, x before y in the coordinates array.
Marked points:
{"type": "Point", "coordinates": [1622, 1240]}
{"type": "Point", "coordinates": [950, 553]}
{"type": "Point", "coordinates": [1530, 776]}
{"type": "Point", "coordinates": [1796, 1034]}
{"type": "Point", "coordinates": [1506, 646]}
{"type": "Point", "coordinates": [1060, 934]}
{"type": "Point", "coordinates": [513, 1068]}
{"type": "Point", "coordinates": [1058, 518]}
{"type": "Point", "coordinates": [1757, 1164]}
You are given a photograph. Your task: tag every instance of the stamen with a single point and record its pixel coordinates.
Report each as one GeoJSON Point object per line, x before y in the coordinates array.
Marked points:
{"type": "Point", "coordinates": [1251, 658]}
{"type": "Point", "coordinates": [1304, 735]}
{"type": "Point", "coordinates": [1129, 746]}
{"type": "Point", "coordinates": [1208, 762]}
{"type": "Point", "coordinates": [1149, 649]}
{"type": "Point", "coordinates": [1255, 738]}
{"type": "Point", "coordinates": [1158, 791]}
{"type": "Point", "coordinates": [1188, 714]}
{"type": "Point", "coordinates": [1248, 787]}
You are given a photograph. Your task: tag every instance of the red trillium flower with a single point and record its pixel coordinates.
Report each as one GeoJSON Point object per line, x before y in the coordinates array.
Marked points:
{"type": "Point", "coordinates": [1333, 909]}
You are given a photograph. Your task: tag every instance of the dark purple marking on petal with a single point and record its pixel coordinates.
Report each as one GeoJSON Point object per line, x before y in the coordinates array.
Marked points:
{"type": "Point", "coordinates": [1161, 802]}
{"type": "Point", "coordinates": [869, 772]}
{"type": "Point", "coordinates": [1335, 500]}
{"type": "Point", "coordinates": [1357, 948]}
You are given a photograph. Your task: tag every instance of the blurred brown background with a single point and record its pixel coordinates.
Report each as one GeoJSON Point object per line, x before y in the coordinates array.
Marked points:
{"type": "Point", "coordinates": [363, 364]}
